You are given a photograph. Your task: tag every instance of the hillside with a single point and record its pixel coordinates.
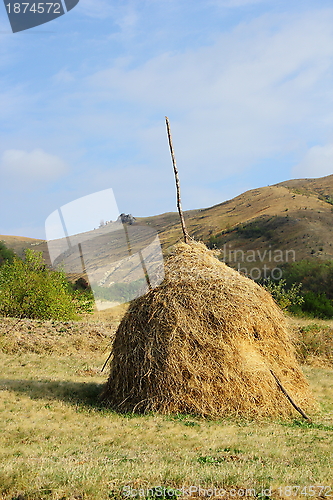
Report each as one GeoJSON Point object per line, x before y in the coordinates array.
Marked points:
{"type": "Point", "coordinates": [268, 226]}
{"type": "Point", "coordinates": [287, 221]}
{"type": "Point", "coordinates": [20, 243]}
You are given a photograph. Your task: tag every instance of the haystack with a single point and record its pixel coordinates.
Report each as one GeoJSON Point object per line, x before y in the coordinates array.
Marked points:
{"type": "Point", "coordinates": [204, 342]}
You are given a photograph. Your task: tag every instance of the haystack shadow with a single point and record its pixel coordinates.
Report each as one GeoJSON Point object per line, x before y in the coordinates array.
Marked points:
{"type": "Point", "coordinates": [83, 394]}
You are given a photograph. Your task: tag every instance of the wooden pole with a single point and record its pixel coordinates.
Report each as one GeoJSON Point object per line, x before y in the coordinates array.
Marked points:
{"type": "Point", "coordinates": [179, 204]}
{"type": "Point", "coordinates": [304, 415]}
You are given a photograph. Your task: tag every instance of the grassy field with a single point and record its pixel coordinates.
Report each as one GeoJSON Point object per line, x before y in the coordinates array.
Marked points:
{"type": "Point", "coordinates": [57, 442]}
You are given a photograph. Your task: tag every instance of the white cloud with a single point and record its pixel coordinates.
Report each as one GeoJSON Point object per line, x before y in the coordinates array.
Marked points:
{"type": "Point", "coordinates": [95, 8]}
{"type": "Point", "coordinates": [63, 76]}
{"type": "Point", "coordinates": [34, 166]}
{"type": "Point", "coordinates": [236, 3]}
{"type": "Point", "coordinates": [318, 162]}
{"type": "Point", "coordinates": [233, 103]}
{"type": "Point", "coordinates": [237, 98]}
{"type": "Point", "coordinates": [101, 9]}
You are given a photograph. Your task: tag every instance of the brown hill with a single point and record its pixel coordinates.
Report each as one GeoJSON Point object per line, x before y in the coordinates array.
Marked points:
{"type": "Point", "coordinates": [267, 226]}
{"type": "Point", "coordinates": [20, 243]}
{"type": "Point", "coordinates": [323, 186]}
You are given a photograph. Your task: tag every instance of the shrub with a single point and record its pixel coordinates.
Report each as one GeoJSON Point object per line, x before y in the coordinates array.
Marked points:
{"type": "Point", "coordinates": [30, 290]}
{"type": "Point", "coordinates": [316, 278]}
{"type": "Point", "coordinates": [285, 298]}
{"type": "Point", "coordinates": [6, 254]}
{"type": "Point", "coordinates": [318, 305]}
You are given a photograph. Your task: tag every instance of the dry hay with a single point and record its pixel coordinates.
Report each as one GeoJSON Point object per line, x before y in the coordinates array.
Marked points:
{"type": "Point", "coordinates": [58, 338]}
{"type": "Point", "coordinates": [204, 342]}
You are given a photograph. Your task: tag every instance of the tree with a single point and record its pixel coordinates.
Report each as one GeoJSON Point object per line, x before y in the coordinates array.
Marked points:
{"type": "Point", "coordinates": [29, 289]}
{"type": "Point", "coordinates": [285, 298]}
{"type": "Point", "coordinates": [6, 254]}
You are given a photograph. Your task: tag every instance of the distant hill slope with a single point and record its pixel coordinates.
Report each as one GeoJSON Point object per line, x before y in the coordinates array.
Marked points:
{"type": "Point", "coordinates": [322, 187]}
{"type": "Point", "coordinates": [20, 243]}
{"type": "Point", "coordinates": [292, 220]}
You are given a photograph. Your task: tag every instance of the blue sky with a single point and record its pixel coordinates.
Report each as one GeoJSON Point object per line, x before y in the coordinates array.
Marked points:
{"type": "Point", "coordinates": [247, 86]}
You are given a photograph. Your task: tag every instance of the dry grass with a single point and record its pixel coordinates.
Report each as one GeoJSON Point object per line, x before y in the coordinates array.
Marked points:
{"type": "Point", "coordinates": [43, 337]}
{"type": "Point", "coordinates": [204, 342]}
{"type": "Point", "coordinates": [57, 441]}
{"type": "Point", "coordinates": [20, 243]}
{"type": "Point", "coordinates": [314, 341]}
{"type": "Point", "coordinates": [112, 315]}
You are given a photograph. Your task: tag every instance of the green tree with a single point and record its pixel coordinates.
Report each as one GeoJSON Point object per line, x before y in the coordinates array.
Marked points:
{"type": "Point", "coordinates": [285, 298]}
{"type": "Point", "coordinates": [29, 289]}
{"type": "Point", "coordinates": [316, 276]}
{"type": "Point", "coordinates": [6, 254]}
{"type": "Point", "coordinates": [317, 305]}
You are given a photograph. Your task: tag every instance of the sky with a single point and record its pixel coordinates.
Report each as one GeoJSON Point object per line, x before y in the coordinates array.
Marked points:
{"type": "Point", "coordinates": [247, 86]}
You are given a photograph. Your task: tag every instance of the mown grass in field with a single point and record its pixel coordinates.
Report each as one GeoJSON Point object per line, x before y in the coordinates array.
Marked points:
{"type": "Point", "coordinates": [58, 442]}
{"type": "Point", "coordinates": [315, 345]}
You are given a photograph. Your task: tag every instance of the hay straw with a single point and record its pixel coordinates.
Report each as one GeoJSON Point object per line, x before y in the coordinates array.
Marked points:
{"type": "Point", "coordinates": [204, 342]}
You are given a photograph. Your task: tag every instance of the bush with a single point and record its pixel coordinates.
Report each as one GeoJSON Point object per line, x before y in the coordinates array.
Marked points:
{"type": "Point", "coordinates": [316, 278]}
{"type": "Point", "coordinates": [318, 305]}
{"type": "Point", "coordinates": [29, 290]}
{"type": "Point", "coordinates": [6, 254]}
{"type": "Point", "coordinates": [285, 298]}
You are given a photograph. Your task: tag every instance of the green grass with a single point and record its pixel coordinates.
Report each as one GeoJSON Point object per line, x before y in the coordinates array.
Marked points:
{"type": "Point", "coordinates": [58, 442]}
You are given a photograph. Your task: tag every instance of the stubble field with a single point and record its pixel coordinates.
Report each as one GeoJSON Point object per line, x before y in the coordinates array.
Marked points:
{"type": "Point", "coordinates": [58, 442]}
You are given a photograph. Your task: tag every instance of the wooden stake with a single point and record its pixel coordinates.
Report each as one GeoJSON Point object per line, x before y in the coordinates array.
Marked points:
{"type": "Point", "coordinates": [289, 398]}
{"type": "Point", "coordinates": [179, 205]}
{"type": "Point", "coordinates": [109, 356]}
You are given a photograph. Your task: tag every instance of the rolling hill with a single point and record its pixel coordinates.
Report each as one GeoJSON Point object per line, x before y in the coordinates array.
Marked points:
{"type": "Point", "coordinates": [291, 220]}
{"type": "Point", "coordinates": [20, 243]}
{"type": "Point", "coordinates": [267, 226]}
